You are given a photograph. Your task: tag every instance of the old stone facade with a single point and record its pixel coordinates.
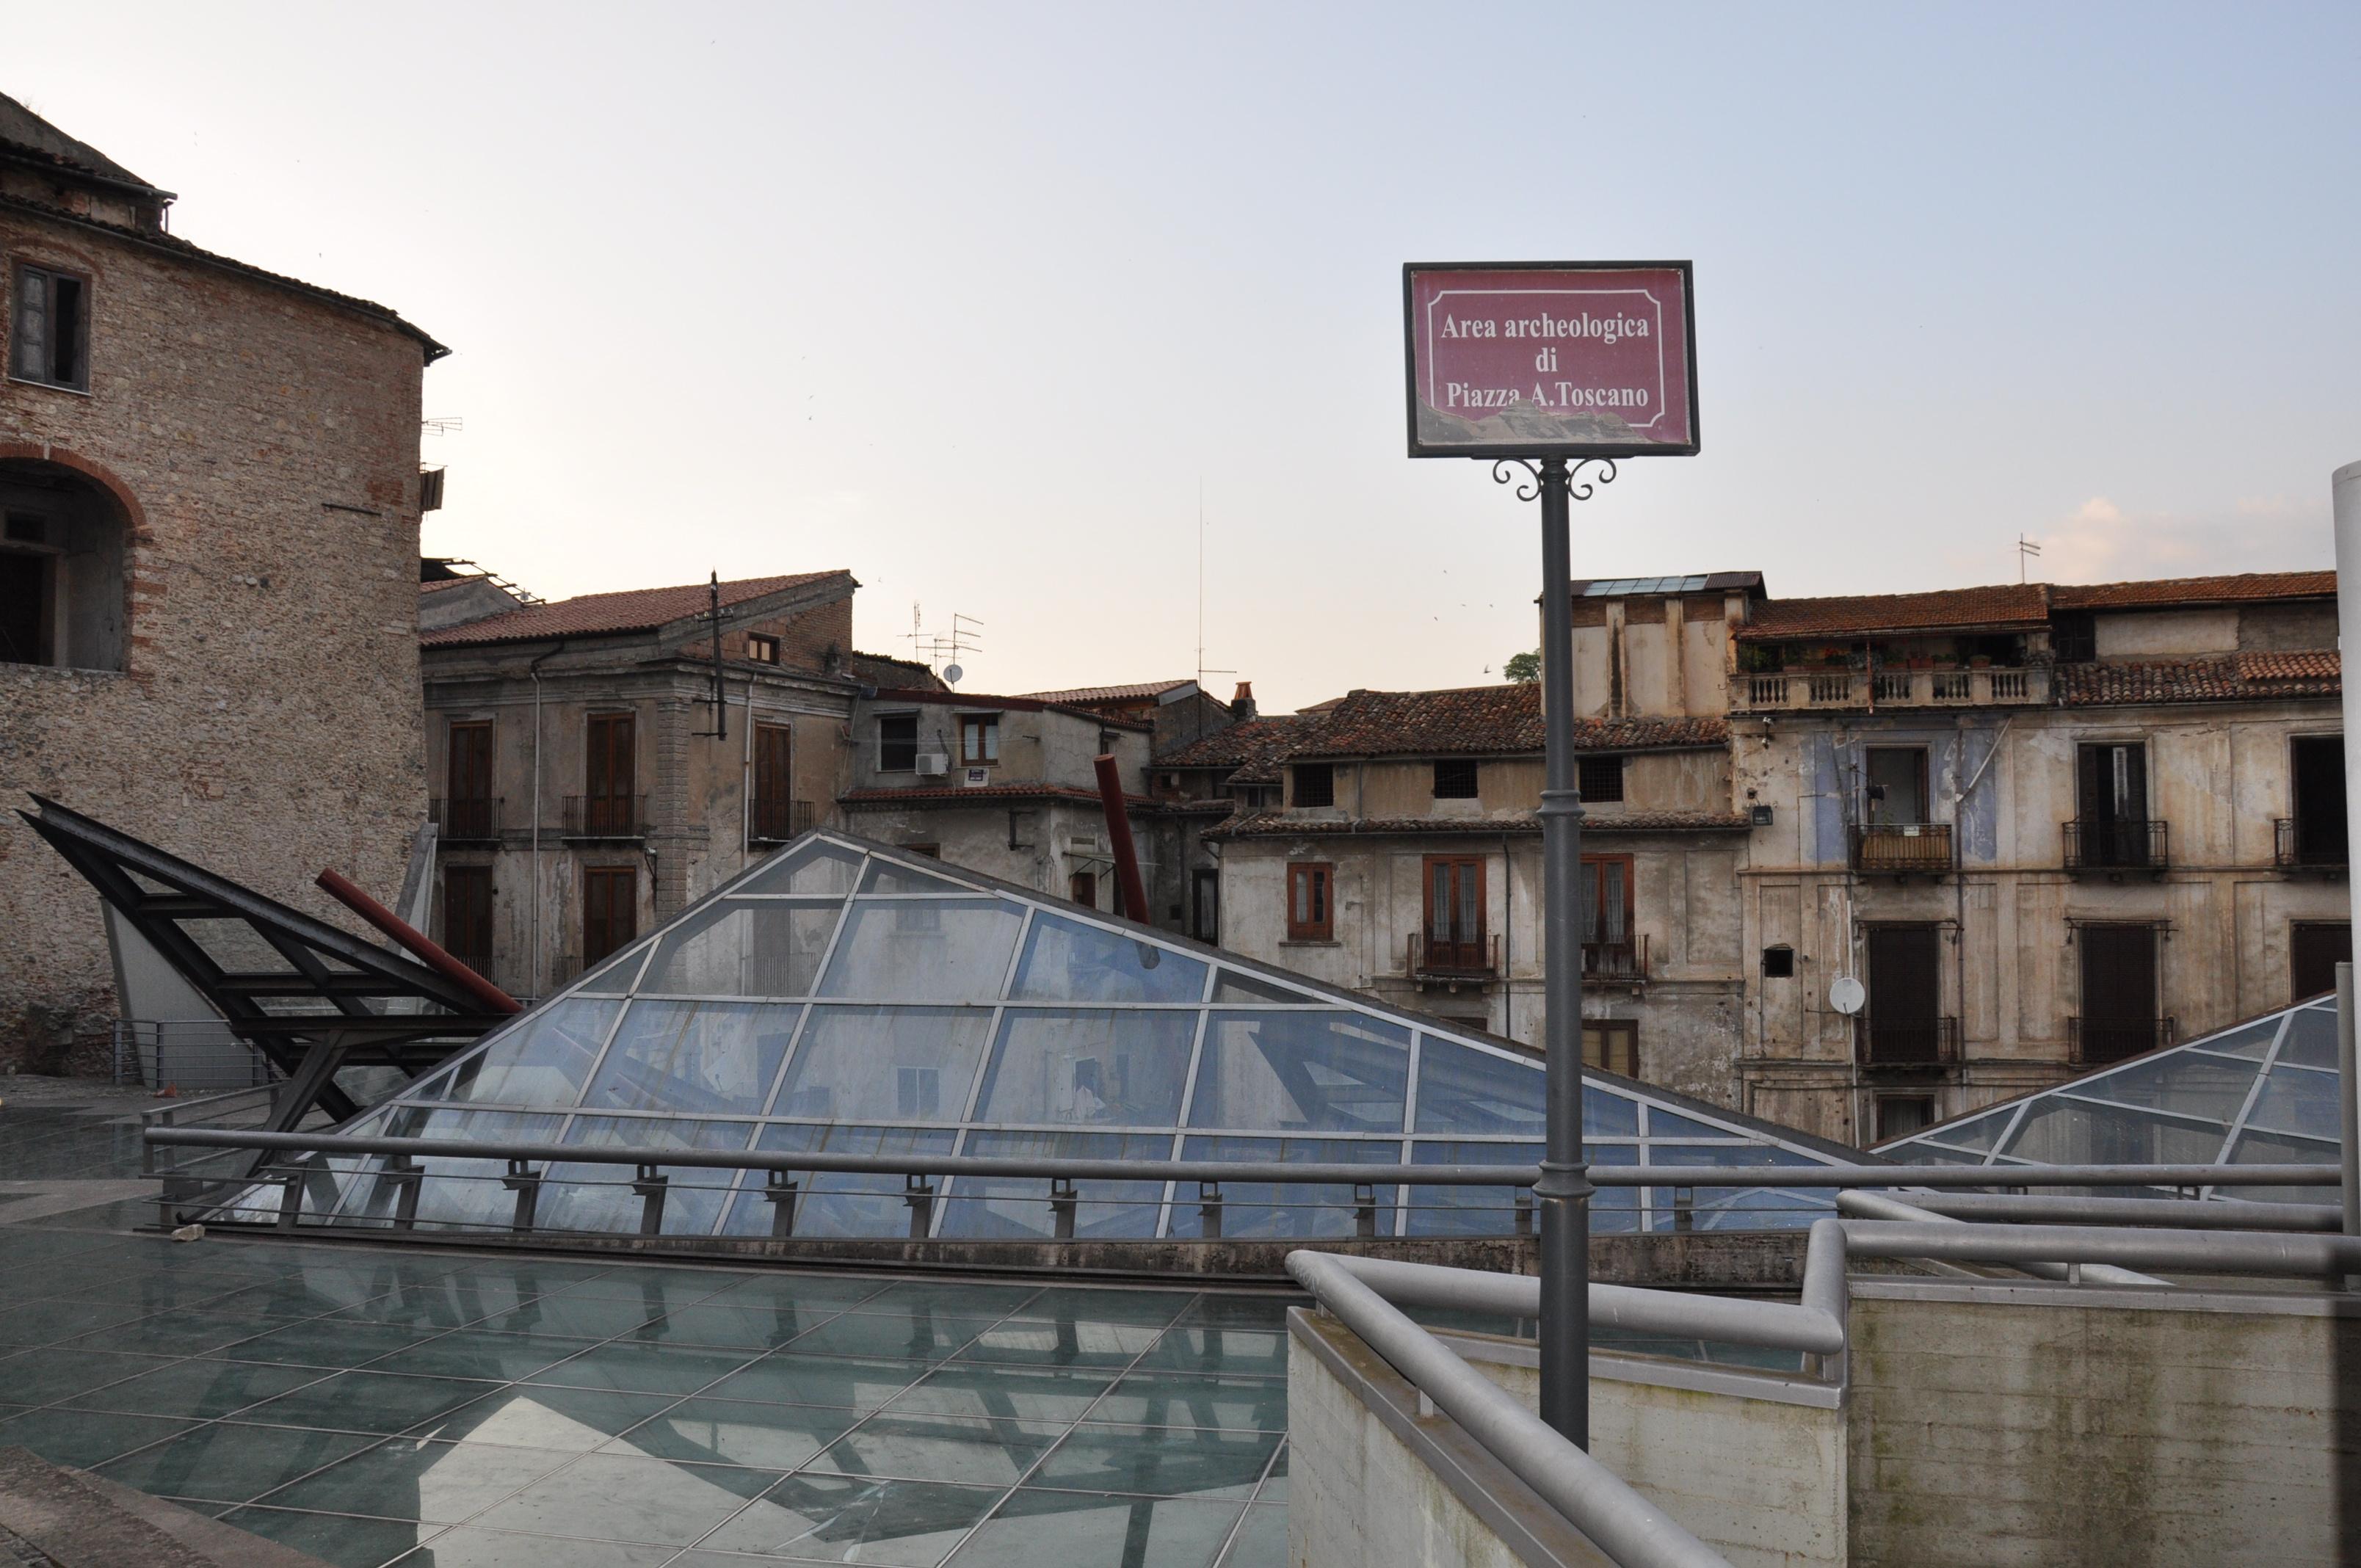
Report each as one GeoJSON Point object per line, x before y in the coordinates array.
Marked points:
{"type": "Point", "coordinates": [209, 476]}
{"type": "Point", "coordinates": [584, 789]}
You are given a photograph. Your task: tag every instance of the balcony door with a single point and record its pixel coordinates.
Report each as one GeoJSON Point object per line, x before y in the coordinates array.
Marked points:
{"type": "Point", "coordinates": [1454, 912]}
{"type": "Point", "coordinates": [610, 775]}
{"type": "Point", "coordinates": [610, 910]}
{"type": "Point", "coordinates": [2319, 768]}
{"type": "Point", "coordinates": [468, 811]}
{"type": "Point", "coordinates": [2119, 1011]}
{"type": "Point", "coordinates": [2111, 803]}
{"type": "Point", "coordinates": [773, 783]}
{"type": "Point", "coordinates": [467, 915]}
{"type": "Point", "coordinates": [1905, 1023]}
{"type": "Point", "coordinates": [1608, 950]}
{"type": "Point", "coordinates": [1897, 785]}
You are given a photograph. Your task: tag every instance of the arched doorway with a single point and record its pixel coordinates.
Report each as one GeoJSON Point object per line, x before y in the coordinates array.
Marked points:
{"type": "Point", "coordinates": [64, 548]}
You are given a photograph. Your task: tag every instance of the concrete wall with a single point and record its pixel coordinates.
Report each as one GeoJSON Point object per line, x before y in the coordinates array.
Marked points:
{"type": "Point", "coordinates": [2003, 1425]}
{"type": "Point", "coordinates": [1653, 656]}
{"type": "Point", "coordinates": [261, 445]}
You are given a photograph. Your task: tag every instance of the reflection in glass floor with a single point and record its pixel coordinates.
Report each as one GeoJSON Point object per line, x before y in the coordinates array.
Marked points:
{"type": "Point", "coordinates": [374, 1407]}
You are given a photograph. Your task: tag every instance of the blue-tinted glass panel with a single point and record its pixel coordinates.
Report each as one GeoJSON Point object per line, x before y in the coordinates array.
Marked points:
{"type": "Point", "coordinates": [885, 876]}
{"type": "Point", "coordinates": [455, 1193]}
{"type": "Point", "coordinates": [1237, 985]}
{"type": "Point", "coordinates": [1461, 1090]}
{"type": "Point", "coordinates": [2311, 1037]}
{"type": "Point", "coordinates": [709, 1058]}
{"type": "Point", "coordinates": [2061, 1131]}
{"type": "Point", "coordinates": [2296, 1102]}
{"type": "Point", "coordinates": [743, 948]}
{"type": "Point", "coordinates": [1464, 1211]}
{"type": "Point", "coordinates": [1268, 1209]}
{"type": "Point", "coordinates": [1066, 961]}
{"type": "Point", "coordinates": [885, 1064]}
{"type": "Point", "coordinates": [1326, 1071]}
{"type": "Point", "coordinates": [815, 867]}
{"type": "Point", "coordinates": [1664, 1124]}
{"type": "Point", "coordinates": [839, 1203]}
{"type": "Point", "coordinates": [2253, 1040]}
{"type": "Point", "coordinates": [2187, 1083]}
{"type": "Point", "coordinates": [1089, 1066]}
{"type": "Point", "coordinates": [584, 1196]}
{"type": "Point", "coordinates": [924, 949]}
{"type": "Point", "coordinates": [1019, 1206]}
{"type": "Point", "coordinates": [541, 1061]}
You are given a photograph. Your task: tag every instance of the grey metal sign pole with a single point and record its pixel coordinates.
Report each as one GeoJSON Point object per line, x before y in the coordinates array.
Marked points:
{"type": "Point", "coordinates": [1564, 1190]}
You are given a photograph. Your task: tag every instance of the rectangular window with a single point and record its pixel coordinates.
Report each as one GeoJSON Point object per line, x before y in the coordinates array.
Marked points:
{"type": "Point", "coordinates": [1611, 1045]}
{"type": "Point", "coordinates": [1601, 779]}
{"type": "Point", "coordinates": [1899, 1116]}
{"type": "Point", "coordinates": [979, 740]}
{"type": "Point", "coordinates": [1609, 948]}
{"type": "Point", "coordinates": [775, 783]}
{"type": "Point", "coordinates": [2110, 806]}
{"type": "Point", "coordinates": [1905, 1026]}
{"type": "Point", "coordinates": [467, 915]}
{"type": "Point", "coordinates": [2317, 766]}
{"type": "Point", "coordinates": [1454, 779]}
{"type": "Point", "coordinates": [2314, 949]}
{"type": "Point", "coordinates": [29, 595]}
{"type": "Point", "coordinates": [1205, 906]}
{"type": "Point", "coordinates": [1897, 785]}
{"type": "Point", "coordinates": [762, 650]}
{"type": "Point", "coordinates": [468, 814]}
{"type": "Point", "coordinates": [897, 742]}
{"type": "Point", "coordinates": [1315, 784]}
{"type": "Point", "coordinates": [51, 336]}
{"type": "Point", "coordinates": [1310, 907]}
{"type": "Point", "coordinates": [1454, 915]}
{"type": "Point", "coordinates": [609, 785]}
{"type": "Point", "coordinates": [1082, 887]}
{"type": "Point", "coordinates": [610, 910]}
{"type": "Point", "coordinates": [2120, 1017]}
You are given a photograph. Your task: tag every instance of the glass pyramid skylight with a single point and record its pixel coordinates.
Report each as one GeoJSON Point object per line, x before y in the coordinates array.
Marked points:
{"type": "Point", "coordinates": [2261, 1093]}
{"type": "Point", "coordinates": [845, 995]}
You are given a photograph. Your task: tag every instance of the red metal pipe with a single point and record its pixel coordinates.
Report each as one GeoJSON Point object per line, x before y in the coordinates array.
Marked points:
{"type": "Point", "coordinates": [1126, 860]}
{"type": "Point", "coordinates": [427, 951]}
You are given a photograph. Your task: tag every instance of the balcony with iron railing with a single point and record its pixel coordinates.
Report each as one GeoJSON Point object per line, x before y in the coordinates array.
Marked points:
{"type": "Point", "coordinates": [2095, 1043]}
{"type": "Point", "coordinates": [1618, 962]}
{"type": "Point", "coordinates": [604, 817]}
{"type": "Point", "coordinates": [1781, 691]}
{"type": "Point", "coordinates": [1921, 1044]}
{"type": "Point", "coordinates": [776, 819]}
{"type": "Point", "coordinates": [466, 821]}
{"type": "Point", "coordinates": [1901, 848]}
{"type": "Point", "coordinates": [2116, 844]}
{"type": "Point", "coordinates": [1453, 963]}
{"type": "Point", "coordinates": [2310, 844]}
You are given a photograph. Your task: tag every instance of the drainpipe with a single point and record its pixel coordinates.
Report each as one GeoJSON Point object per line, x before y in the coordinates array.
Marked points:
{"type": "Point", "coordinates": [746, 786]}
{"type": "Point", "coordinates": [533, 669]}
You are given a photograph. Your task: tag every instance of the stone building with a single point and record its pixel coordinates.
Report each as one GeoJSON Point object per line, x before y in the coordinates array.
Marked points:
{"type": "Point", "coordinates": [2044, 828]}
{"type": "Point", "coordinates": [584, 787]}
{"type": "Point", "coordinates": [210, 484]}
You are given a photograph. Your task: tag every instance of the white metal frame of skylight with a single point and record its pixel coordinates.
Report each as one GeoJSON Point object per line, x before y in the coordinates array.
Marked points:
{"type": "Point", "coordinates": [978, 1001]}
{"type": "Point", "coordinates": [2259, 1092]}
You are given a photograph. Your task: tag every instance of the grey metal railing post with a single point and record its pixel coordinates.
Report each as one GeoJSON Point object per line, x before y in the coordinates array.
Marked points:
{"type": "Point", "coordinates": [2348, 1102]}
{"type": "Point", "coordinates": [1562, 1191]}
{"type": "Point", "coordinates": [1209, 1210]}
{"type": "Point", "coordinates": [525, 1182]}
{"type": "Point", "coordinates": [779, 1192]}
{"type": "Point", "coordinates": [919, 1194]}
{"type": "Point", "coordinates": [650, 1183]}
{"type": "Point", "coordinates": [1525, 1222]}
{"type": "Point", "coordinates": [1063, 1199]}
{"type": "Point", "coordinates": [403, 1174]}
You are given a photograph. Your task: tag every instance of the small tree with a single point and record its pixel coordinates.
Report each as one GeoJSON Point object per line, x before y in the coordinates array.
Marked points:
{"type": "Point", "coordinates": [1524, 667]}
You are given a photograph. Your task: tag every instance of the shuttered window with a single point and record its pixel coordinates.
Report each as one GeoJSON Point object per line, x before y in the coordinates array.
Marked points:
{"type": "Point", "coordinates": [50, 333]}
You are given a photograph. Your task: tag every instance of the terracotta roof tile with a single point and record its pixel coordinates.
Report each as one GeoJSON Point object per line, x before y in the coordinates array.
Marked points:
{"type": "Point", "coordinates": [2233, 677]}
{"type": "Point", "coordinates": [1252, 747]}
{"type": "Point", "coordinates": [1273, 823]}
{"type": "Point", "coordinates": [2008, 606]}
{"type": "Point", "coordinates": [2241, 589]}
{"type": "Point", "coordinates": [1480, 721]}
{"type": "Point", "coordinates": [887, 672]}
{"type": "Point", "coordinates": [633, 609]}
{"type": "Point", "coordinates": [1139, 692]}
{"type": "Point", "coordinates": [979, 794]}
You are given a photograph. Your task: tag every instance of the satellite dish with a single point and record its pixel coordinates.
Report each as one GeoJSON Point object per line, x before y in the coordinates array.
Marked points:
{"type": "Point", "coordinates": [951, 674]}
{"type": "Point", "coordinates": [1846, 995]}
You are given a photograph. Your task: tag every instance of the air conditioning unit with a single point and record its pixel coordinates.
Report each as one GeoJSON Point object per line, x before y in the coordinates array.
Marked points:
{"type": "Point", "coordinates": [934, 765]}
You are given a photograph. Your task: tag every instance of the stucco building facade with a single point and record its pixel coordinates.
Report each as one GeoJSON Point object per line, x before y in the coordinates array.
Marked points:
{"type": "Point", "coordinates": [210, 483]}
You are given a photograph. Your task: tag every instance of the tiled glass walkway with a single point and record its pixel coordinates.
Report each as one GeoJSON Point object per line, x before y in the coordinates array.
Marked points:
{"type": "Point", "coordinates": [440, 1410]}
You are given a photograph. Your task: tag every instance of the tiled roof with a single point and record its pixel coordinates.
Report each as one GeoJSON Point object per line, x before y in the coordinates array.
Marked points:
{"type": "Point", "coordinates": [979, 794]}
{"type": "Point", "coordinates": [940, 696]}
{"type": "Point", "coordinates": [1277, 824]}
{"type": "Point", "coordinates": [1141, 692]}
{"type": "Point", "coordinates": [1253, 747]}
{"type": "Point", "coordinates": [886, 672]}
{"type": "Point", "coordinates": [2243, 588]}
{"type": "Point", "coordinates": [439, 584]}
{"type": "Point", "coordinates": [633, 609]}
{"type": "Point", "coordinates": [2231, 677]}
{"type": "Point", "coordinates": [27, 134]}
{"type": "Point", "coordinates": [2009, 606]}
{"type": "Point", "coordinates": [1480, 721]}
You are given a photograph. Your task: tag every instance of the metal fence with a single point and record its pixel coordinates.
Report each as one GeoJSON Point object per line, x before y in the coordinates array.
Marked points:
{"type": "Point", "coordinates": [193, 1058]}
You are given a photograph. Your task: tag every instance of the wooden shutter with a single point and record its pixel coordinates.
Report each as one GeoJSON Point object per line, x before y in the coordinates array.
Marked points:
{"type": "Point", "coordinates": [1454, 912]}
{"type": "Point", "coordinates": [2314, 949]}
{"type": "Point", "coordinates": [610, 901]}
{"type": "Point", "coordinates": [611, 773]}
{"type": "Point", "coordinates": [774, 782]}
{"type": "Point", "coordinates": [1905, 998]}
{"type": "Point", "coordinates": [2119, 1011]}
{"type": "Point", "coordinates": [467, 915]}
{"type": "Point", "coordinates": [32, 334]}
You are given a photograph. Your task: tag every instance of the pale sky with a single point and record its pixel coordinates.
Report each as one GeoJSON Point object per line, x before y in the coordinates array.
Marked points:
{"type": "Point", "coordinates": [972, 298]}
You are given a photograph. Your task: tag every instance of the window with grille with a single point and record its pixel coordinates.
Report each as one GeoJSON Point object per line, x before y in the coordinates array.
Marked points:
{"type": "Point", "coordinates": [1601, 778]}
{"type": "Point", "coordinates": [1454, 779]}
{"type": "Point", "coordinates": [897, 742]}
{"type": "Point", "coordinates": [1315, 784]}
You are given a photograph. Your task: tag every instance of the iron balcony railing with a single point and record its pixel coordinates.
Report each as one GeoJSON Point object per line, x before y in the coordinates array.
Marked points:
{"type": "Point", "coordinates": [2115, 844]}
{"type": "Point", "coordinates": [777, 820]}
{"type": "Point", "coordinates": [2090, 1043]}
{"type": "Point", "coordinates": [1901, 848]}
{"type": "Point", "coordinates": [1895, 688]}
{"type": "Point", "coordinates": [467, 820]}
{"type": "Point", "coordinates": [1925, 1042]}
{"type": "Point", "coordinates": [1623, 962]}
{"type": "Point", "coordinates": [2308, 843]}
{"type": "Point", "coordinates": [605, 816]}
{"type": "Point", "coordinates": [1478, 959]}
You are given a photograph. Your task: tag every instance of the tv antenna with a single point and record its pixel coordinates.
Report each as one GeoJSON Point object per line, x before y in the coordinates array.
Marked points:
{"type": "Point", "coordinates": [2025, 548]}
{"type": "Point", "coordinates": [450, 425]}
{"type": "Point", "coordinates": [965, 637]}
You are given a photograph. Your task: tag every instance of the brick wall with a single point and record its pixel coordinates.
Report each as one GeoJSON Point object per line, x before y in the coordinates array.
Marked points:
{"type": "Point", "coordinates": [266, 723]}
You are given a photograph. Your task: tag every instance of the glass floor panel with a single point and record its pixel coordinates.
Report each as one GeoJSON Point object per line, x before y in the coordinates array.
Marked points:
{"type": "Point", "coordinates": [375, 1407]}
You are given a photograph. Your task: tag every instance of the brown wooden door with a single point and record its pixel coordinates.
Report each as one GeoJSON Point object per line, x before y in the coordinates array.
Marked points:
{"type": "Point", "coordinates": [611, 778]}
{"type": "Point", "coordinates": [2119, 1011]}
{"type": "Point", "coordinates": [1904, 995]}
{"type": "Point", "coordinates": [610, 910]}
{"type": "Point", "coordinates": [1454, 912]}
{"type": "Point", "coordinates": [2314, 949]}
{"type": "Point", "coordinates": [1608, 947]}
{"type": "Point", "coordinates": [774, 782]}
{"type": "Point", "coordinates": [467, 915]}
{"type": "Point", "coordinates": [469, 809]}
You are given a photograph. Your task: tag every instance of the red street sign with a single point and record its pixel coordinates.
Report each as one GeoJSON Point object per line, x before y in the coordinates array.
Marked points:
{"type": "Point", "coordinates": [1551, 358]}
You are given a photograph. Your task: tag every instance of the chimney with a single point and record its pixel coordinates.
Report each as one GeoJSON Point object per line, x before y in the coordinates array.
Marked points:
{"type": "Point", "coordinates": [1242, 703]}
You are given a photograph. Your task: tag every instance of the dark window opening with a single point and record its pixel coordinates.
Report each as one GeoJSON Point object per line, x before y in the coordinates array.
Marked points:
{"type": "Point", "coordinates": [468, 812]}
{"type": "Point", "coordinates": [1315, 784]}
{"type": "Point", "coordinates": [1309, 912]}
{"type": "Point", "coordinates": [2112, 826]}
{"type": "Point", "coordinates": [1600, 778]}
{"type": "Point", "coordinates": [1205, 906]}
{"type": "Point", "coordinates": [1779, 963]}
{"type": "Point", "coordinates": [1082, 887]}
{"type": "Point", "coordinates": [2119, 1016]}
{"type": "Point", "coordinates": [50, 339]}
{"type": "Point", "coordinates": [1611, 948]}
{"type": "Point", "coordinates": [27, 606]}
{"type": "Point", "coordinates": [1454, 779]}
{"type": "Point", "coordinates": [2318, 765]}
{"type": "Point", "coordinates": [1905, 1026]}
{"type": "Point", "coordinates": [61, 569]}
{"type": "Point", "coordinates": [774, 783]}
{"type": "Point", "coordinates": [1899, 1116]}
{"type": "Point", "coordinates": [2314, 949]}
{"type": "Point", "coordinates": [467, 915]}
{"type": "Point", "coordinates": [610, 781]}
{"type": "Point", "coordinates": [932, 851]}
{"type": "Point", "coordinates": [1897, 785]}
{"type": "Point", "coordinates": [2073, 637]}
{"type": "Point", "coordinates": [897, 742]}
